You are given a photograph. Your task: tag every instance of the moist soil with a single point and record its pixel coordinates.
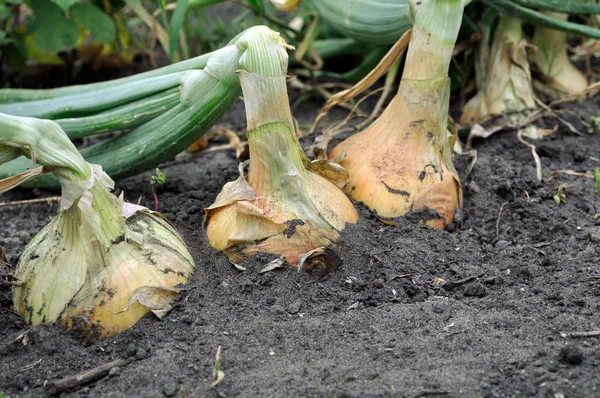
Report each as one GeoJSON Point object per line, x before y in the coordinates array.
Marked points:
{"type": "Point", "coordinates": [474, 311]}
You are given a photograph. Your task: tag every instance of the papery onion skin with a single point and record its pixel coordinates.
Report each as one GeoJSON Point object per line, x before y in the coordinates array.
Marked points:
{"type": "Point", "coordinates": [83, 269]}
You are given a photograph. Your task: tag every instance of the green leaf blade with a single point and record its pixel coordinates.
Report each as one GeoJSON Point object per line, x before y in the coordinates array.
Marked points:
{"type": "Point", "coordinates": [93, 18]}
{"type": "Point", "coordinates": [64, 4]}
{"type": "Point", "coordinates": [176, 23]}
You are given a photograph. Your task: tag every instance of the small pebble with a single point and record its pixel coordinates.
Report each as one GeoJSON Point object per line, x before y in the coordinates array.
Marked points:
{"type": "Point", "coordinates": [378, 284]}
{"type": "Point", "coordinates": [438, 309]}
{"type": "Point", "coordinates": [594, 238]}
{"type": "Point", "coordinates": [131, 349]}
{"type": "Point", "coordinates": [142, 354]}
{"type": "Point", "coordinates": [114, 371]}
{"type": "Point", "coordinates": [475, 290]}
{"type": "Point", "coordinates": [294, 307]}
{"type": "Point", "coordinates": [502, 244]}
{"type": "Point", "coordinates": [277, 309]}
{"type": "Point", "coordinates": [169, 389]}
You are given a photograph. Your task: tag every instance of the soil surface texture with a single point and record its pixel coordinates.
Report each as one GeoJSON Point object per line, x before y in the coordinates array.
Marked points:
{"type": "Point", "coordinates": [475, 311]}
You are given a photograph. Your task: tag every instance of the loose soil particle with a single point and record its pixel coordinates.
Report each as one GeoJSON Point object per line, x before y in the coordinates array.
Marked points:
{"type": "Point", "coordinates": [476, 312]}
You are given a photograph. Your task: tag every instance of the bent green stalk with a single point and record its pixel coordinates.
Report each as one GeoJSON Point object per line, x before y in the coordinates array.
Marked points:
{"type": "Point", "coordinates": [206, 96]}
{"type": "Point", "coordinates": [10, 95]}
{"type": "Point", "coordinates": [513, 9]}
{"type": "Point", "coordinates": [92, 102]}
{"type": "Point", "coordinates": [565, 6]}
{"type": "Point", "coordinates": [121, 118]}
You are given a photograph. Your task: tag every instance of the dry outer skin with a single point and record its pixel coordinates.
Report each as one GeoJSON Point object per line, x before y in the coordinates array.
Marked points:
{"type": "Point", "coordinates": [379, 326]}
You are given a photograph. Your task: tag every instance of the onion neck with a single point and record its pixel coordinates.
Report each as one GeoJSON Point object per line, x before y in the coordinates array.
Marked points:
{"type": "Point", "coordinates": [434, 34]}
{"type": "Point", "coordinates": [44, 142]}
{"type": "Point", "coordinates": [276, 159]}
{"type": "Point", "coordinates": [424, 92]}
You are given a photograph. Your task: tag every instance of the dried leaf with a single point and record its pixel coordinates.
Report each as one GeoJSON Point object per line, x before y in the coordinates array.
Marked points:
{"type": "Point", "coordinates": [372, 77]}
{"type": "Point", "coordinates": [219, 378]}
{"type": "Point", "coordinates": [318, 150]}
{"type": "Point", "coordinates": [439, 282]}
{"type": "Point", "coordinates": [234, 191]}
{"type": "Point", "coordinates": [478, 131]}
{"type": "Point", "coordinates": [14, 181]}
{"type": "Point", "coordinates": [277, 263]}
{"type": "Point", "coordinates": [536, 133]}
{"type": "Point", "coordinates": [237, 266]}
{"type": "Point", "coordinates": [568, 172]}
{"type": "Point", "coordinates": [159, 300]}
{"type": "Point", "coordinates": [218, 374]}
{"type": "Point", "coordinates": [334, 172]}
{"type": "Point", "coordinates": [199, 145]}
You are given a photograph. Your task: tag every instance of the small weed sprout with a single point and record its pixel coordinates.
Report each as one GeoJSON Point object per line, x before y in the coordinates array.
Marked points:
{"type": "Point", "coordinates": [598, 182]}
{"type": "Point", "coordinates": [155, 180]}
{"type": "Point", "coordinates": [595, 124]}
{"type": "Point", "coordinates": [561, 196]}
{"type": "Point", "coordinates": [218, 374]}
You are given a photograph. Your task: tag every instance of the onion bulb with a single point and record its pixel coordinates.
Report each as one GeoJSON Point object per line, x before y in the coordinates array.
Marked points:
{"type": "Point", "coordinates": [403, 161]}
{"type": "Point", "coordinates": [282, 206]}
{"type": "Point", "coordinates": [101, 263]}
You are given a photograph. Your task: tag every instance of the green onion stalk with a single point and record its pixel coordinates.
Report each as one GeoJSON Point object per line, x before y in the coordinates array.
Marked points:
{"type": "Point", "coordinates": [506, 85]}
{"type": "Point", "coordinates": [403, 161]}
{"type": "Point", "coordinates": [165, 111]}
{"type": "Point", "coordinates": [101, 263]}
{"type": "Point", "coordinates": [284, 206]}
{"type": "Point", "coordinates": [202, 99]}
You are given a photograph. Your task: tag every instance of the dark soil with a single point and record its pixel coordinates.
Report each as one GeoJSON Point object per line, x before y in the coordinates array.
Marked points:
{"type": "Point", "coordinates": [519, 269]}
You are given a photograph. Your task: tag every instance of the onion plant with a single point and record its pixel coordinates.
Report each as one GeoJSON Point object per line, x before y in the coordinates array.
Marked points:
{"type": "Point", "coordinates": [506, 82]}
{"type": "Point", "coordinates": [403, 161]}
{"type": "Point", "coordinates": [283, 206]}
{"type": "Point", "coordinates": [553, 61]}
{"type": "Point", "coordinates": [101, 263]}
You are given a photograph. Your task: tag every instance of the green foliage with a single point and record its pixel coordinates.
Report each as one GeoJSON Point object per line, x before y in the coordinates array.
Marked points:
{"type": "Point", "coordinates": [64, 4]}
{"type": "Point", "coordinates": [561, 195]}
{"type": "Point", "coordinates": [43, 28]}
{"type": "Point", "coordinates": [3, 396]}
{"type": "Point", "coordinates": [9, 41]}
{"type": "Point", "coordinates": [176, 23]}
{"type": "Point", "coordinates": [5, 9]}
{"type": "Point", "coordinates": [93, 18]}
{"type": "Point", "coordinates": [158, 178]}
{"type": "Point", "coordinates": [51, 30]}
{"type": "Point", "coordinates": [257, 6]}
{"type": "Point", "coordinates": [595, 121]}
